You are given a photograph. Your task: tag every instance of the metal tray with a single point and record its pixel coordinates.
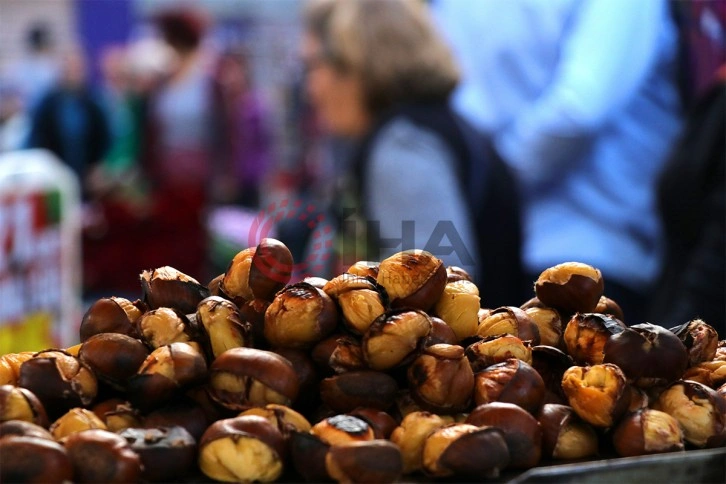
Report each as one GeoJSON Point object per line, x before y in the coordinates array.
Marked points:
{"type": "Point", "coordinates": [693, 466]}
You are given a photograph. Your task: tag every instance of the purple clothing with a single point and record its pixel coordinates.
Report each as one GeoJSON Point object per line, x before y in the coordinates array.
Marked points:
{"type": "Point", "coordinates": [251, 140]}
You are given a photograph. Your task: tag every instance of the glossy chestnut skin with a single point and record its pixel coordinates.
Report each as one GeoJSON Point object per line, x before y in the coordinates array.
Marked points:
{"type": "Point", "coordinates": [299, 316]}
{"type": "Point", "coordinates": [34, 460]}
{"type": "Point", "coordinates": [271, 268]}
{"type": "Point", "coordinates": [700, 411]}
{"type": "Point", "coordinates": [17, 403]}
{"type": "Point", "coordinates": [113, 357]}
{"type": "Point", "coordinates": [365, 388]}
{"type": "Point", "coordinates": [166, 287]}
{"type": "Point", "coordinates": [586, 334]}
{"type": "Point", "coordinates": [308, 453]}
{"type": "Point", "coordinates": [102, 456]}
{"type": "Point", "coordinates": [182, 412]}
{"type": "Point", "coordinates": [700, 339]}
{"type": "Point", "coordinates": [24, 428]}
{"type": "Point", "coordinates": [411, 434]}
{"type": "Point", "coordinates": [381, 422]}
{"type": "Point", "coordinates": [570, 287]}
{"type": "Point", "coordinates": [111, 315]}
{"type": "Point", "coordinates": [235, 283]}
{"type": "Point", "coordinates": [647, 431]}
{"type": "Point", "coordinates": [521, 430]}
{"type": "Point", "coordinates": [608, 306]}
{"type": "Point", "coordinates": [165, 373]}
{"type": "Point", "coordinates": [59, 380]}
{"type": "Point", "coordinates": [167, 453]}
{"type": "Point", "coordinates": [242, 449]}
{"type": "Point", "coordinates": [441, 333]}
{"type": "Point", "coordinates": [512, 381]}
{"type": "Point", "coordinates": [395, 338]}
{"type": "Point", "coordinates": [441, 379]}
{"type": "Point", "coordinates": [244, 377]}
{"type": "Point", "coordinates": [599, 393]}
{"type": "Point", "coordinates": [339, 353]}
{"type": "Point", "coordinates": [509, 320]}
{"type": "Point", "coordinates": [649, 355]}
{"type": "Point", "coordinates": [551, 364]}
{"type": "Point", "coordinates": [412, 279]}
{"type": "Point", "coordinates": [565, 436]}
{"type": "Point", "coordinates": [465, 450]}
{"type": "Point", "coordinates": [372, 461]}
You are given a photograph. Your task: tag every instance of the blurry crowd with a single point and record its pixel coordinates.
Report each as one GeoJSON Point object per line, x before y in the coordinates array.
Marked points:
{"type": "Point", "coordinates": [503, 136]}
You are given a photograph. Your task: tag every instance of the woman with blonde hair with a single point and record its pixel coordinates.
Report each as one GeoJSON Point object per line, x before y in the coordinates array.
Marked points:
{"type": "Point", "coordinates": [377, 72]}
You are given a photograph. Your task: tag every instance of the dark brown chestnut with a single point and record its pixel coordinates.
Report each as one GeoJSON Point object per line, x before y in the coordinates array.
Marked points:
{"type": "Point", "coordinates": [608, 306]}
{"type": "Point", "coordinates": [167, 287]}
{"type": "Point", "coordinates": [18, 403]}
{"type": "Point", "coordinates": [113, 357]}
{"type": "Point", "coordinates": [270, 270]}
{"type": "Point", "coordinates": [441, 333]}
{"type": "Point", "coordinates": [299, 316]}
{"type": "Point", "coordinates": [412, 279]}
{"type": "Point", "coordinates": [521, 431]}
{"type": "Point", "coordinates": [24, 428]}
{"type": "Point", "coordinates": [465, 450]}
{"type": "Point", "coordinates": [381, 422]}
{"type": "Point", "coordinates": [586, 334]}
{"type": "Point", "coordinates": [59, 380]}
{"type": "Point", "coordinates": [242, 449]}
{"type": "Point", "coordinates": [649, 355]}
{"type": "Point", "coordinates": [364, 388]}
{"type": "Point", "coordinates": [241, 378]}
{"type": "Point", "coordinates": [647, 431]}
{"type": "Point", "coordinates": [167, 454]}
{"type": "Point", "coordinates": [308, 454]}
{"type": "Point", "coordinates": [182, 412]}
{"type": "Point", "coordinates": [395, 338]}
{"type": "Point", "coordinates": [34, 460]}
{"type": "Point", "coordinates": [599, 393]}
{"type": "Point", "coordinates": [512, 381]}
{"type": "Point", "coordinates": [441, 379]}
{"type": "Point", "coordinates": [566, 436]}
{"type": "Point", "coordinates": [110, 315]}
{"type": "Point", "coordinates": [102, 456]}
{"type": "Point", "coordinates": [570, 287]}
{"type": "Point", "coordinates": [376, 461]}
{"type": "Point", "coordinates": [339, 353]}
{"type": "Point", "coordinates": [700, 411]}
{"type": "Point", "coordinates": [551, 364]}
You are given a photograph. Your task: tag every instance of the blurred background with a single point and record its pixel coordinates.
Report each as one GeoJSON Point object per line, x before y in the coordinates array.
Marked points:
{"type": "Point", "coordinates": [141, 133]}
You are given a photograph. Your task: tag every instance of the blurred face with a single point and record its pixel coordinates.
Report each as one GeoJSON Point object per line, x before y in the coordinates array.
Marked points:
{"type": "Point", "coordinates": [337, 97]}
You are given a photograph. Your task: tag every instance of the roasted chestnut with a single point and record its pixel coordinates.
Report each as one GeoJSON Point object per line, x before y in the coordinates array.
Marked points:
{"type": "Point", "coordinates": [113, 357]}
{"type": "Point", "coordinates": [308, 455]}
{"type": "Point", "coordinates": [164, 326]}
{"type": "Point", "coordinates": [183, 412]}
{"type": "Point", "coordinates": [76, 420]}
{"type": "Point", "coordinates": [497, 349]}
{"type": "Point", "coordinates": [441, 333]}
{"type": "Point", "coordinates": [167, 454]}
{"type": "Point", "coordinates": [376, 461]}
{"type": "Point", "coordinates": [359, 298]}
{"type": "Point", "coordinates": [299, 316]}
{"type": "Point", "coordinates": [649, 355]}
{"type": "Point", "coordinates": [270, 270]}
{"type": "Point", "coordinates": [551, 363]}
{"type": "Point", "coordinates": [512, 381]}
{"type": "Point", "coordinates": [395, 338]}
{"type": "Point", "coordinates": [241, 378]}
{"type": "Point", "coordinates": [339, 353]}
{"type": "Point", "coordinates": [364, 268]}
{"type": "Point", "coordinates": [411, 435]}
{"type": "Point", "coordinates": [700, 339]}
{"type": "Point", "coordinates": [342, 429]}
{"type": "Point", "coordinates": [548, 323]}
{"type": "Point", "coordinates": [700, 411]}
{"type": "Point", "coordinates": [381, 422]}
{"type": "Point", "coordinates": [465, 450]}
{"type": "Point", "coordinates": [221, 322]}
{"type": "Point", "coordinates": [283, 418]}
{"type": "Point", "coordinates": [117, 414]}
{"type": "Point", "coordinates": [458, 306]}
{"type": "Point", "coordinates": [570, 287]}
{"type": "Point", "coordinates": [242, 449]}
{"type": "Point", "coordinates": [599, 393]}
{"type": "Point", "coordinates": [59, 380]}
{"type": "Point", "coordinates": [102, 456]}
{"type": "Point", "coordinates": [586, 334]}
{"type": "Point", "coordinates": [33, 459]}
{"type": "Point", "coordinates": [10, 366]}
{"type": "Point", "coordinates": [18, 403]}
{"type": "Point", "coordinates": [110, 315]}
{"type": "Point", "coordinates": [607, 306]}
{"type": "Point", "coordinates": [565, 436]}
{"type": "Point", "coordinates": [441, 379]}
{"type": "Point", "coordinates": [647, 431]}
{"type": "Point", "coordinates": [412, 279]}
{"type": "Point", "coordinates": [24, 428]}
{"type": "Point", "coordinates": [167, 287]}
{"type": "Point", "coordinates": [365, 388]}
{"type": "Point", "coordinates": [521, 431]}
{"type": "Point", "coordinates": [509, 320]}
{"type": "Point", "coordinates": [710, 373]}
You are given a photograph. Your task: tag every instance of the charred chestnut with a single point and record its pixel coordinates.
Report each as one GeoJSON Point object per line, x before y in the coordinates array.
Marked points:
{"type": "Point", "coordinates": [167, 287]}
{"type": "Point", "coordinates": [167, 454]}
{"type": "Point", "coordinates": [441, 379]}
{"type": "Point", "coordinates": [365, 388]}
{"type": "Point", "coordinates": [512, 381]}
{"type": "Point", "coordinates": [700, 339]}
{"type": "Point", "coordinates": [342, 429]}
{"type": "Point", "coordinates": [412, 279]}
{"type": "Point", "coordinates": [586, 334]}
{"type": "Point", "coordinates": [570, 287]}
{"type": "Point", "coordinates": [10, 366]}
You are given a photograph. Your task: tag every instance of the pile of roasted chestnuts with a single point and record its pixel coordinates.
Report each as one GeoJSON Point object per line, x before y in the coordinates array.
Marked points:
{"type": "Point", "coordinates": [391, 369]}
